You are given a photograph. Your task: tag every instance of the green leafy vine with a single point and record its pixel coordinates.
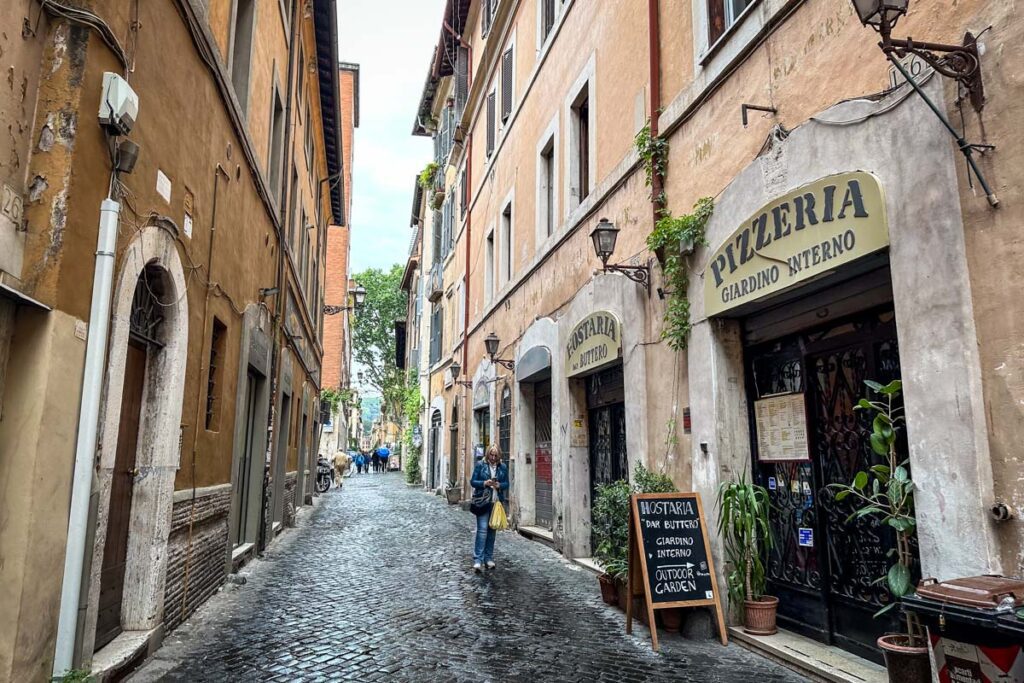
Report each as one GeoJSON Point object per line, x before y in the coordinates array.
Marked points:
{"type": "Point", "coordinates": [671, 236]}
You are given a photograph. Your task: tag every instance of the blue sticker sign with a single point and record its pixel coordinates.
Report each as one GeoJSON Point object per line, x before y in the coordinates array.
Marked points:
{"type": "Point", "coordinates": [806, 537]}
{"type": "Point", "coordinates": [771, 483]}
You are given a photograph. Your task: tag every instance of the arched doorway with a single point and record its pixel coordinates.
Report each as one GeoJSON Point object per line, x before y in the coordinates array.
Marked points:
{"type": "Point", "coordinates": [145, 331]}
{"type": "Point", "coordinates": [140, 437]}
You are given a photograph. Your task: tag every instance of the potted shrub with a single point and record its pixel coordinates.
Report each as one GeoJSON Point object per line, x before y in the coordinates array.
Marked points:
{"type": "Point", "coordinates": [610, 522]}
{"type": "Point", "coordinates": [885, 492]}
{"type": "Point", "coordinates": [453, 492]}
{"type": "Point", "coordinates": [646, 481]}
{"type": "Point", "coordinates": [743, 508]}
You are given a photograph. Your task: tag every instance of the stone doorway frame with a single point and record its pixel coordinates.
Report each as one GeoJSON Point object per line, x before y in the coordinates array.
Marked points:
{"type": "Point", "coordinates": [158, 453]}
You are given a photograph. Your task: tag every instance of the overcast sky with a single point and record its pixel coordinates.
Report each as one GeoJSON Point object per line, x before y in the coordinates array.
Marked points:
{"type": "Point", "coordinates": [392, 42]}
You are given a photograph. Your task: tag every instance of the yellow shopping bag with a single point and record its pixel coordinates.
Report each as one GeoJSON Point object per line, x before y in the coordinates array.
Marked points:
{"type": "Point", "coordinates": [499, 522]}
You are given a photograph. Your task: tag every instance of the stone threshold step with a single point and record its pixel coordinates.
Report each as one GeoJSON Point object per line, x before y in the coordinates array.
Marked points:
{"type": "Point", "coordinates": [537, 533]}
{"type": "Point", "coordinates": [816, 660]}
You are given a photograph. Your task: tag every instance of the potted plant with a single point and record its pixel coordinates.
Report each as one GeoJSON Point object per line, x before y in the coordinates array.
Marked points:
{"type": "Point", "coordinates": [453, 492]}
{"type": "Point", "coordinates": [885, 492]}
{"type": "Point", "coordinates": [610, 522]}
{"type": "Point", "coordinates": [743, 508]}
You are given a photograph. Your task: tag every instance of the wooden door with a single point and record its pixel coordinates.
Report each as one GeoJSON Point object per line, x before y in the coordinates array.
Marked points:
{"type": "Point", "coordinates": [115, 549]}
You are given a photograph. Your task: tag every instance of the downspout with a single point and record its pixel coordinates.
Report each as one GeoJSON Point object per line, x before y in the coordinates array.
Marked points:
{"type": "Point", "coordinates": [468, 457]}
{"type": "Point", "coordinates": [279, 304]}
{"type": "Point", "coordinates": [85, 446]}
{"type": "Point", "coordinates": [654, 34]}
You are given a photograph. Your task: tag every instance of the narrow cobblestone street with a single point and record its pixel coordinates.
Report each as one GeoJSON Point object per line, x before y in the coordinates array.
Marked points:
{"type": "Point", "coordinates": [376, 585]}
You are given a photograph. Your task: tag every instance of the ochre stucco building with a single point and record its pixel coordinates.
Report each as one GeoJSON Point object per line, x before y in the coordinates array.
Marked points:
{"type": "Point", "coordinates": [847, 243]}
{"type": "Point", "coordinates": [205, 407]}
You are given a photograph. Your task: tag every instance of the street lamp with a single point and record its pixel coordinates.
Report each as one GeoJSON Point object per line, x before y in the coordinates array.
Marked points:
{"type": "Point", "coordinates": [455, 368]}
{"type": "Point", "coordinates": [959, 62]}
{"type": "Point", "coordinates": [604, 236]}
{"type": "Point", "coordinates": [358, 294]}
{"type": "Point", "coordinates": [491, 343]}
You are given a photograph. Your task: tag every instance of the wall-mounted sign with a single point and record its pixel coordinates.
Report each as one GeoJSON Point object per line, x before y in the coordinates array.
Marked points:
{"type": "Point", "coordinates": [805, 233]}
{"type": "Point", "coordinates": [781, 424]}
{"type": "Point", "coordinates": [596, 341]}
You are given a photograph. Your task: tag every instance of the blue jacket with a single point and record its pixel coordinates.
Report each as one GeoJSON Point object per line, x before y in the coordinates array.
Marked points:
{"type": "Point", "coordinates": [482, 472]}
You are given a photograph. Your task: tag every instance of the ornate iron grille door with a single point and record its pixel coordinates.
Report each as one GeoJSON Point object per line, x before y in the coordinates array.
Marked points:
{"type": "Point", "coordinates": [825, 579]}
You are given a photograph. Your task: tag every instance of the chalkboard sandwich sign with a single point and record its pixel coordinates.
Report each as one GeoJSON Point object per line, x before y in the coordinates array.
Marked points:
{"type": "Point", "coordinates": [670, 557]}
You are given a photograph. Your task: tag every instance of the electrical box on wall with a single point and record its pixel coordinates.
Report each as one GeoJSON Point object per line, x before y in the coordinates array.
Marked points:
{"type": "Point", "coordinates": [119, 105]}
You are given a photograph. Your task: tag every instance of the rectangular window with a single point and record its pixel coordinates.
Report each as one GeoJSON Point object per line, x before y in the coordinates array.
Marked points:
{"type": "Point", "coordinates": [489, 269]}
{"type": "Point", "coordinates": [461, 81]}
{"type": "Point", "coordinates": [547, 18]}
{"type": "Point", "coordinates": [309, 140]}
{"type": "Point", "coordinates": [304, 255]}
{"type": "Point", "coordinates": [547, 188]}
{"type": "Point", "coordinates": [463, 194]}
{"type": "Point", "coordinates": [490, 124]}
{"type": "Point", "coordinates": [293, 194]}
{"type": "Point", "coordinates": [241, 49]}
{"type": "Point", "coordinates": [276, 144]}
{"type": "Point", "coordinates": [215, 375]}
{"type": "Point", "coordinates": [436, 321]}
{"type": "Point", "coordinates": [581, 145]}
{"type": "Point", "coordinates": [722, 14]}
{"type": "Point", "coordinates": [488, 16]}
{"type": "Point", "coordinates": [301, 72]}
{"type": "Point", "coordinates": [506, 243]}
{"type": "Point", "coordinates": [438, 238]}
{"type": "Point", "coordinates": [507, 82]}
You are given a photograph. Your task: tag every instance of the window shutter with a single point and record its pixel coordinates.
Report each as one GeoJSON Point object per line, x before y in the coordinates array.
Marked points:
{"type": "Point", "coordinates": [488, 10]}
{"type": "Point", "coordinates": [490, 124]}
{"type": "Point", "coordinates": [716, 19]}
{"type": "Point", "coordinates": [437, 240]}
{"type": "Point", "coordinates": [463, 193]}
{"type": "Point", "coordinates": [506, 84]}
{"type": "Point", "coordinates": [461, 81]}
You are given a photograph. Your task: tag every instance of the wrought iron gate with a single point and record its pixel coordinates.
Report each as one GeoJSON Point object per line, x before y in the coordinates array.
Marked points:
{"type": "Point", "coordinates": [822, 567]}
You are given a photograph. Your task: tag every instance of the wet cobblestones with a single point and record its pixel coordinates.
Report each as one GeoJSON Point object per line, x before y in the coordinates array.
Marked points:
{"type": "Point", "coordinates": [376, 585]}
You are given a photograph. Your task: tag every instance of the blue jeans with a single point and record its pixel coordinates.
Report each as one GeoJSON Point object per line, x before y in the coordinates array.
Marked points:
{"type": "Point", "coordinates": [483, 549]}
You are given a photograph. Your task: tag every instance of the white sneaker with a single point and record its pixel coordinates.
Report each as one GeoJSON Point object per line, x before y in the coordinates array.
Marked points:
{"type": "Point", "coordinates": [491, 565]}
{"type": "Point", "coordinates": [476, 567]}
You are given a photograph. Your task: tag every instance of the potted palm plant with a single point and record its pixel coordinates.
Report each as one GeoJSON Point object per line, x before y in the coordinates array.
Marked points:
{"type": "Point", "coordinates": [885, 492]}
{"type": "Point", "coordinates": [743, 508]}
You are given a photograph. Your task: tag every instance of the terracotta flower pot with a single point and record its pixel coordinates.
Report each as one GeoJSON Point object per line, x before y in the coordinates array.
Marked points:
{"type": "Point", "coordinates": [759, 616]}
{"type": "Point", "coordinates": [609, 591]}
{"type": "Point", "coordinates": [622, 594]}
{"type": "Point", "coordinates": [906, 661]}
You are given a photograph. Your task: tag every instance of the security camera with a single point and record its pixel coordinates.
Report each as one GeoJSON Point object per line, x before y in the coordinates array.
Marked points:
{"type": "Point", "coordinates": [119, 105]}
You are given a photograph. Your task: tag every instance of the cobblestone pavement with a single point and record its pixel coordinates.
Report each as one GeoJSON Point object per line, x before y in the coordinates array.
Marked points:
{"type": "Point", "coordinates": [376, 585]}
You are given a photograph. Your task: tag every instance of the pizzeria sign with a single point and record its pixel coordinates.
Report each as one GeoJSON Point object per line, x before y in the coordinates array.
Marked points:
{"type": "Point", "coordinates": [801, 235]}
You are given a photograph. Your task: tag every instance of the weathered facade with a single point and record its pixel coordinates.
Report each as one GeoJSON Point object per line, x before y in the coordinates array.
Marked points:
{"type": "Point", "coordinates": [208, 391]}
{"type": "Point", "coordinates": [847, 243]}
{"type": "Point", "coordinates": [337, 335]}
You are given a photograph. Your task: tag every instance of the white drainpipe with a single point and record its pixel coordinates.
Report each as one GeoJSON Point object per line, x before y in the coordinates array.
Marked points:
{"type": "Point", "coordinates": [85, 448]}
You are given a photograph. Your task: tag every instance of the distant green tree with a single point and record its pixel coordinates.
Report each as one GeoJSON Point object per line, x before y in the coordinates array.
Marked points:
{"type": "Point", "coordinates": [374, 335]}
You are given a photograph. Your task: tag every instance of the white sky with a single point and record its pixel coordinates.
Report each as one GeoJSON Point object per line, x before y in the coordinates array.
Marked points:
{"type": "Point", "coordinates": [392, 42]}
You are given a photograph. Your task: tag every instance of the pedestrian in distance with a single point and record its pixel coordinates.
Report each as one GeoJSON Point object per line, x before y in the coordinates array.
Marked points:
{"type": "Point", "coordinates": [375, 459]}
{"type": "Point", "coordinates": [490, 486]}
{"type": "Point", "coordinates": [384, 454]}
{"type": "Point", "coordinates": [360, 463]}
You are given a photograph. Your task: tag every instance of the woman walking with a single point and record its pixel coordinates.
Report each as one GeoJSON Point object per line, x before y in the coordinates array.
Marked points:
{"type": "Point", "coordinates": [490, 486]}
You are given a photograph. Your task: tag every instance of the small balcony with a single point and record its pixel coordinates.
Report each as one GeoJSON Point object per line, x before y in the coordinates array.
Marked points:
{"type": "Point", "coordinates": [435, 283]}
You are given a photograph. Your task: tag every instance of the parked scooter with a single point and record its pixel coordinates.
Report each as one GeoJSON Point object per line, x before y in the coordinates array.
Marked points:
{"type": "Point", "coordinates": [324, 474]}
